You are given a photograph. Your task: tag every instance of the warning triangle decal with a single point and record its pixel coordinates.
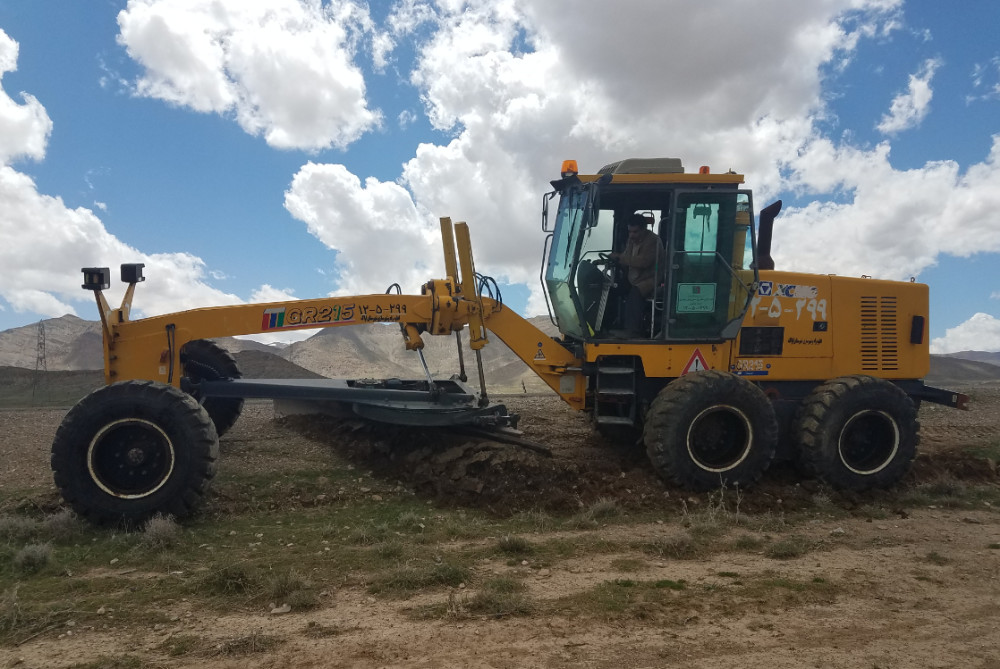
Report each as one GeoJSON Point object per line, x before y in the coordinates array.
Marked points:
{"type": "Point", "coordinates": [696, 363]}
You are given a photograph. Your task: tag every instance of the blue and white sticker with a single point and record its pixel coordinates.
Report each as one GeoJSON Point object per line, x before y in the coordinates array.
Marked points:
{"type": "Point", "coordinates": [791, 290]}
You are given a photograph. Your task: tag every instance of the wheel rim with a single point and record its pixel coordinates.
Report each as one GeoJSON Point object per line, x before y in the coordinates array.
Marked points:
{"type": "Point", "coordinates": [130, 458]}
{"type": "Point", "coordinates": [719, 438]}
{"type": "Point", "coordinates": [868, 442]}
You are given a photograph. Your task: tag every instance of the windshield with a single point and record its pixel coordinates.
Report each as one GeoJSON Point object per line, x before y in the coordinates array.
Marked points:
{"type": "Point", "coordinates": [562, 255]}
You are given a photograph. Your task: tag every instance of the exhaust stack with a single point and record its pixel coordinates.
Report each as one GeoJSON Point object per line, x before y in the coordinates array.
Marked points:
{"type": "Point", "coordinates": [766, 220]}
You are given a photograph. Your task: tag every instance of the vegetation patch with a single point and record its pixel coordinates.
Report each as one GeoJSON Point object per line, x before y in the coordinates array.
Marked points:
{"type": "Point", "coordinates": [180, 645]}
{"type": "Point", "coordinates": [950, 492]}
{"type": "Point", "coordinates": [789, 548]}
{"type": "Point", "coordinates": [629, 565]}
{"type": "Point", "coordinates": [990, 451]}
{"type": "Point", "coordinates": [675, 602]}
{"type": "Point", "coordinates": [160, 532]}
{"type": "Point", "coordinates": [235, 579]}
{"type": "Point", "coordinates": [32, 558]}
{"type": "Point", "coordinates": [602, 511]}
{"type": "Point", "coordinates": [408, 579]}
{"type": "Point", "coordinates": [249, 644]}
{"type": "Point", "coordinates": [514, 546]}
{"type": "Point", "coordinates": [498, 598]}
{"type": "Point", "coordinates": [626, 598]}
{"type": "Point", "coordinates": [674, 546]}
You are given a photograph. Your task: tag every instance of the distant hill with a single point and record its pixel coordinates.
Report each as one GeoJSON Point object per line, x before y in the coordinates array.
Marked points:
{"type": "Point", "coordinates": [71, 343]}
{"type": "Point", "coordinates": [377, 350]}
{"type": "Point", "coordinates": [948, 370]}
{"type": "Point", "coordinates": [265, 365]}
{"type": "Point", "coordinates": [979, 356]}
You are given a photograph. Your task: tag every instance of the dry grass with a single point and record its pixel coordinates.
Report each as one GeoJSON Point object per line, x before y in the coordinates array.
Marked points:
{"type": "Point", "coordinates": [249, 644]}
{"type": "Point", "coordinates": [160, 532]}
{"type": "Point", "coordinates": [32, 558]}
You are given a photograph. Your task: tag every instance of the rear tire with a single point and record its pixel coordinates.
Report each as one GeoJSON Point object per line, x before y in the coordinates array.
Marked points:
{"type": "Point", "coordinates": [858, 433]}
{"type": "Point", "coordinates": [204, 360]}
{"type": "Point", "coordinates": [133, 449]}
{"type": "Point", "coordinates": [711, 428]}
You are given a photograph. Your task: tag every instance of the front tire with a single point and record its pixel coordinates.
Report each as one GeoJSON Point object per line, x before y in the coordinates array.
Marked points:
{"type": "Point", "coordinates": [133, 449]}
{"type": "Point", "coordinates": [710, 428]}
{"type": "Point", "coordinates": [857, 433]}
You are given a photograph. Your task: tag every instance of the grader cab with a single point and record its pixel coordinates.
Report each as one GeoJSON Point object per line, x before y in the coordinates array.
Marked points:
{"type": "Point", "coordinates": [731, 361]}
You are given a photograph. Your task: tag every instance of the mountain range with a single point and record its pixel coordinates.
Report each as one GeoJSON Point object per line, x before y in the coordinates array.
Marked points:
{"type": "Point", "coordinates": [375, 350]}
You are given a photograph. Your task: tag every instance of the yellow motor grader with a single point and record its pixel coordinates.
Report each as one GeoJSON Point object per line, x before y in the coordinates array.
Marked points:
{"type": "Point", "coordinates": [734, 361]}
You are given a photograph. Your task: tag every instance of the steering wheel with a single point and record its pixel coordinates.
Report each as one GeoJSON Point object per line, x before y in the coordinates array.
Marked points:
{"type": "Point", "coordinates": [610, 265]}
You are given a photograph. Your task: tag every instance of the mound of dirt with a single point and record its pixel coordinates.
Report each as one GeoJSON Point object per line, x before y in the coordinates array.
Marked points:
{"type": "Point", "coordinates": [458, 469]}
{"type": "Point", "coordinates": [584, 466]}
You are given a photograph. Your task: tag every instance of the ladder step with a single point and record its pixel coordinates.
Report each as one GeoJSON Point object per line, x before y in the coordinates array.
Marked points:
{"type": "Point", "coordinates": [615, 370]}
{"type": "Point", "coordinates": [614, 420]}
{"type": "Point", "coordinates": [623, 392]}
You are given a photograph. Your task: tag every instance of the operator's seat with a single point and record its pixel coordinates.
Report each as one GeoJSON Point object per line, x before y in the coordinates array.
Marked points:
{"type": "Point", "coordinates": [657, 302]}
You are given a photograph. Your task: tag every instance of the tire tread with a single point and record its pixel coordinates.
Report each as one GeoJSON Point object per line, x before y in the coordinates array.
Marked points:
{"type": "Point", "coordinates": [161, 402]}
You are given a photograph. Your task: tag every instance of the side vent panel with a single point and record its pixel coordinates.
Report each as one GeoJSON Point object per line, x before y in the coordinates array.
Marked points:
{"type": "Point", "coordinates": [879, 333]}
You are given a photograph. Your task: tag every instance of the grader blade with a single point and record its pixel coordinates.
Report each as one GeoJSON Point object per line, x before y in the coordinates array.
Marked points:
{"type": "Point", "coordinates": [417, 402]}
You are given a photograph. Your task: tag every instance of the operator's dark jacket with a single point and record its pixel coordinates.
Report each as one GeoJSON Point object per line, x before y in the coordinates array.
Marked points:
{"type": "Point", "coordinates": [644, 259]}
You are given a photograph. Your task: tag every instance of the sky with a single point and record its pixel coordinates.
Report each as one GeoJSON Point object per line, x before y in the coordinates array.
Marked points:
{"type": "Point", "coordinates": [262, 150]}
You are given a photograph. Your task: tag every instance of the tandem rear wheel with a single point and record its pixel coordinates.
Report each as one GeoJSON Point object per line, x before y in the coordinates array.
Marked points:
{"type": "Point", "coordinates": [132, 450]}
{"type": "Point", "coordinates": [857, 433]}
{"type": "Point", "coordinates": [709, 429]}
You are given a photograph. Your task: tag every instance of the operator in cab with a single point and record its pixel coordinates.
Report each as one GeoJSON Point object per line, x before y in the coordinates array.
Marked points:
{"type": "Point", "coordinates": [642, 258]}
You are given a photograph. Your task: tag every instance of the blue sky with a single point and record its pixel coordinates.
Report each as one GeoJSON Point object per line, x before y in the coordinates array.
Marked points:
{"type": "Point", "coordinates": [252, 150]}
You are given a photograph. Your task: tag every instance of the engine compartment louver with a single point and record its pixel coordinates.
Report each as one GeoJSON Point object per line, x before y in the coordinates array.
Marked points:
{"type": "Point", "coordinates": [879, 333]}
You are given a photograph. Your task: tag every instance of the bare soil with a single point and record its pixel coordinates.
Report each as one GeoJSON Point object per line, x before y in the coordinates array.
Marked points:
{"type": "Point", "coordinates": [911, 586]}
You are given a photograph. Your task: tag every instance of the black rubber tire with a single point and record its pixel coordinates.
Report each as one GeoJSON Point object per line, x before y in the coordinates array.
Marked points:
{"type": "Point", "coordinates": [133, 449]}
{"type": "Point", "coordinates": [204, 360]}
{"type": "Point", "coordinates": [858, 433]}
{"type": "Point", "coordinates": [711, 428]}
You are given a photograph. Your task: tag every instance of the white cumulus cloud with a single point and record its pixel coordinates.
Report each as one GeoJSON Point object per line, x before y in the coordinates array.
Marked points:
{"type": "Point", "coordinates": [45, 242]}
{"type": "Point", "coordinates": [380, 235]}
{"type": "Point", "coordinates": [986, 80]}
{"type": "Point", "coordinates": [24, 128]}
{"type": "Point", "coordinates": [979, 333]}
{"type": "Point", "coordinates": [909, 109]}
{"type": "Point", "coordinates": [283, 68]}
{"type": "Point", "coordinates": [897, 222]}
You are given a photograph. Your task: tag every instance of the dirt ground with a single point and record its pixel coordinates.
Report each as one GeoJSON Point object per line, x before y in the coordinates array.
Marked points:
{"type": "Point", "coordinates": [918, 586]}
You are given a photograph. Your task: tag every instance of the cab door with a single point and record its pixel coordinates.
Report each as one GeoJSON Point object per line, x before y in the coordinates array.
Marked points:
{"type": "Point", "coordinates": [712, 273]}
